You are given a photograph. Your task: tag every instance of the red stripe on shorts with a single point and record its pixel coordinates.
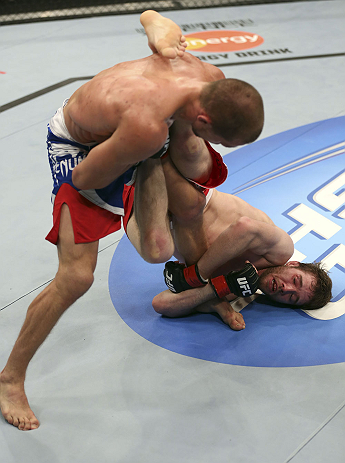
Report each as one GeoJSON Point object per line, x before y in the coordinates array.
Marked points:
{"type": "Point", "coordinates": [90, 222]}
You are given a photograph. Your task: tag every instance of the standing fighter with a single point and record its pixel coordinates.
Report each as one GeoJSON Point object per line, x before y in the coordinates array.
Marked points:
{"type": "Point", "coordinates": [122, 116]}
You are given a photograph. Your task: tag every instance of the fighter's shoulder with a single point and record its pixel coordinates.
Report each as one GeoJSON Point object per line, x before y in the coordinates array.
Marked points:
{"type": "Point", "coordinates": [144, 128]}
{"type": "Point", "coordinates": [214, 72]}
{"type": "Point", "coordinates": [210, 71]}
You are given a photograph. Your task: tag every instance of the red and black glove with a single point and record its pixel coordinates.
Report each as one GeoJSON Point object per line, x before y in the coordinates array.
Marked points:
{"type": "Point", "coordinates": [178, 277]}
{"type": "Point", "coordinates": [242, 283]}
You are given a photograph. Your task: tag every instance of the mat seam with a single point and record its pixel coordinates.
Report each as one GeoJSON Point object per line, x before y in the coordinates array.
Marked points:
{"type": "Point", "coordinates": [315, 433]}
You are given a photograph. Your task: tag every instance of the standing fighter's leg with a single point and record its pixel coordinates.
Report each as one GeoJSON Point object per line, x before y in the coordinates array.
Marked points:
{"type": "Point", "coordinates": [164, 36]}
{"type": "Point", "coordinates": [77, 263]}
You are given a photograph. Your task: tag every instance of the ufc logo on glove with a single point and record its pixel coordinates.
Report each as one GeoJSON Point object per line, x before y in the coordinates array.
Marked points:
{"type": "Point", "coordinates": [243, 284]}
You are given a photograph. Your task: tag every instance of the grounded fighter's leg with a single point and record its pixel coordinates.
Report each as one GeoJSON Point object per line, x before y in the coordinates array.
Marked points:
{"type": "Point", "coordinates": [186, 205]}
{"type": "Point", "coordinates": [149, 227]}
{"type": "Point", "coordinates": [74, 277]}
{"type": "Point", "coordinates": [189, 153]}
{"type": "Point", "coordinates": [164, 36]}
{"type": "Point", "coordinates": [190, 158]}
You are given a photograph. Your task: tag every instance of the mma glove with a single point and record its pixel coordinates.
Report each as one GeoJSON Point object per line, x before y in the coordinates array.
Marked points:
{"type": "Point", "coordinates": [179, 278]}
{"type": "Point", "coordinates": [242, 283]}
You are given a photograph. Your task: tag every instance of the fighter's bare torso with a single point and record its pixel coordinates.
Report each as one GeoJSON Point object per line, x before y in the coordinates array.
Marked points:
{"type": "Point", "coordinates": [223, 210]}
{"type": "Point", "coordinates": [155, 87]}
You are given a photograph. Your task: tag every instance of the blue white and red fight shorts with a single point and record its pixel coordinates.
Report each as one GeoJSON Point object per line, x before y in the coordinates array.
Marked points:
{"type": "Point", "coordinates": [94, 213]}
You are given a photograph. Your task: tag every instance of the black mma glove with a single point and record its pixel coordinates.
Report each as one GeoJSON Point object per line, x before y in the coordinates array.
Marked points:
{"type": "Point", "coordinates": [178, 277]}
{"type": "Point", "coordinates": [242, 283]}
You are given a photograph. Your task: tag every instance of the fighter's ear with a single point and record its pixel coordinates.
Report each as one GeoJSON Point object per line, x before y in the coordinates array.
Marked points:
{"type": "Point", "coordinates": [204, 118]}
{"type": "Point", "coordinates": [292, 263]}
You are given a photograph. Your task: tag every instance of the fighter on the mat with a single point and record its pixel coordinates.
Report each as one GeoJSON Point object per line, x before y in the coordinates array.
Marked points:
{"type": "Point", "coordinates": [118, 118]}
{"type": "Point", "coordinates": [221, 233]}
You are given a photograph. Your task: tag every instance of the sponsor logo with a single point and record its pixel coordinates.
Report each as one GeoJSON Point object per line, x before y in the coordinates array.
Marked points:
{"type": "Point", "coordinates": [249, 54]}
{"type": "Point", "coordinates": [210, 25]}
{"type": "Point", "coordinates": [222, 40]}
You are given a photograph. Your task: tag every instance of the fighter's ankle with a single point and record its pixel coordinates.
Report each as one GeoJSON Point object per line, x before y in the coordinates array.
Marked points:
{"type": "Point", "coordinates": [11, 378]}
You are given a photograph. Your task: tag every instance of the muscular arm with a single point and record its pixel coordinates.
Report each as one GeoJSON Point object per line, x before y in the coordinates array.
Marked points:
{"type": "Point", "coordinates": [129, 144]}
{"type": "Point", "coordinates": [197, 300]}
{"type": "Point", "coordinates": [247, 236]}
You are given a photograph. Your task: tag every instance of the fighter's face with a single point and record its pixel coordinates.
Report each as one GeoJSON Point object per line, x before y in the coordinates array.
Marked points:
{"type": "Point", "coordinates": [287, 284]}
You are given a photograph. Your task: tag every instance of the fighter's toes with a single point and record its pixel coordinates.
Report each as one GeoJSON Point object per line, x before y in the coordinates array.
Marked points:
{"type": "Point", "coordinates": [9, 418]}
{"type": "Point", "coordinates": [33, 423]}
{"type": "Point", "coordinates": [236, 322]}
{"type": "Point", "coordinates": [15, 421]}
{"type": "Point", "coordinates": [21, 423]}
{"type": "Point", "coordinates": [25, 424]}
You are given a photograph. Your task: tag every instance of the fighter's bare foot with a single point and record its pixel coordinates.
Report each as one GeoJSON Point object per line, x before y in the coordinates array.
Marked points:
{"type": "Point", "coordinates": [164, 36]}
{"type": "Point", "coordinates": [234, 319]}
{"type": "Point", "coordinates": [15, 407]}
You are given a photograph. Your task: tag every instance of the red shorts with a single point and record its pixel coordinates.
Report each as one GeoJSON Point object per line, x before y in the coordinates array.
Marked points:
{"type": "Point", "coordinates": [90, 222]}
{"type": "Point", "coordinates": [219, 171]}
{"type": "Point", "coordinates": [218, 176]}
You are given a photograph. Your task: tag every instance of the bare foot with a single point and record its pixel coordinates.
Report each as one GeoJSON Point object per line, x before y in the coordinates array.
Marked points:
{"type": "Point", "coordinates": [236, 321]}
{"type": "Point", "coordinates": [15, 407]}
{"type": "Point", "coordinates": [164, 36]}
{"type": "Point", "coordinates": [233, 319]}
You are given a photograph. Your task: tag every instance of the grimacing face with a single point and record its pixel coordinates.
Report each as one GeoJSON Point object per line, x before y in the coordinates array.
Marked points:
{"type": "Point", "coordinates": [287, 284]}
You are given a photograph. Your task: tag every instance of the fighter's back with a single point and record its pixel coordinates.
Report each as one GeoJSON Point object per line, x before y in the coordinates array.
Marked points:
{"type": "Point", "coordinates": [221, 212]}
{"type": "Point", "coordinates": [154, 85]}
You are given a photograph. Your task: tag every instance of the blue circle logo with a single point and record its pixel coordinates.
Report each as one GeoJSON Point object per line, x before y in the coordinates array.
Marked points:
{"type": "Point", "coordinates": [298, 178]}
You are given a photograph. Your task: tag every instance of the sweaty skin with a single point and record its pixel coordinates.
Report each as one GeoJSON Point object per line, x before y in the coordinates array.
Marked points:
{"type": "Point", "coordinates": [235, 232]}
{"type": "Point", "coordinates": [104, 111]}
{"type": "Point", "coordinates": [128, 110]}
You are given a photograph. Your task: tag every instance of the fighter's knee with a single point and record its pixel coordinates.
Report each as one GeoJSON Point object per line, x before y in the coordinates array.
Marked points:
{"type": "Point", "coordinates": [84, 279]}
{"type": "Point", "coordinates": [157, 247]}
{"type": "Point", "coordinates": [74, 280]}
